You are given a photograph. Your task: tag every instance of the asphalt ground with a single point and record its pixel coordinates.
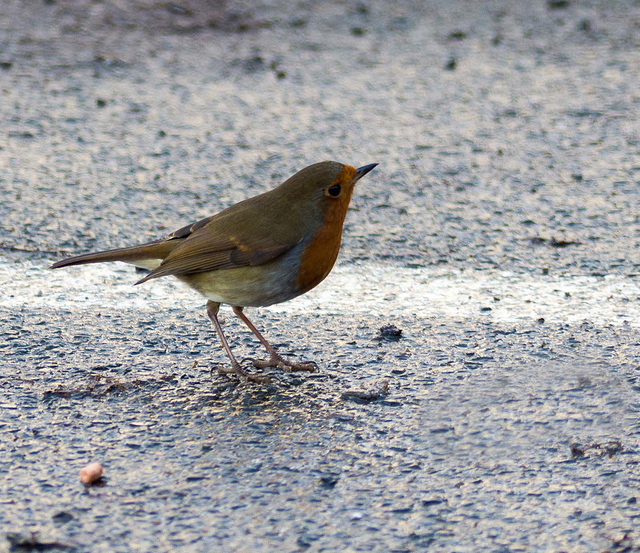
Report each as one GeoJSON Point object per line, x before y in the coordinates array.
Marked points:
{"type": "Point", "coordinates": [478, 344]}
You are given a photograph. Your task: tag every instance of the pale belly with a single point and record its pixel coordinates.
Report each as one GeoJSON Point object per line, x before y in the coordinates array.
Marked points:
{"type": "Point", "coordinates": [257, 286]}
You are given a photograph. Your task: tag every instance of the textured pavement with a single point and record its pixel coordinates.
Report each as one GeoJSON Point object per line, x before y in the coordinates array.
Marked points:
{"type": "Point", "coordinates": [499, 233]}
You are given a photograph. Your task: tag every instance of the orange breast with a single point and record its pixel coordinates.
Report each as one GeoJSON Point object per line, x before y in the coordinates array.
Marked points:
{"type": "Point", "coordinates": [322, 250]}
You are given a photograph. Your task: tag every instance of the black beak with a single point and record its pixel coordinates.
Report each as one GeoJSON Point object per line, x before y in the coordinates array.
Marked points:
{"type": "Point", "coordinates": [362, 171]}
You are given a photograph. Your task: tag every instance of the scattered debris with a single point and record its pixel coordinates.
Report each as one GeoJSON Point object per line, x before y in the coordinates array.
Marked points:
{"type": "Point", "coordinates": [559, 243]}
{"type": "Point", "coordinates": [390, 333]}
{"type": "Point", "coordinates": [100, 385]}
{"type": "Point", "coordinates": [456, 35]}
{"type": "Point", "coordinates": [377, 390]}
{"type": "Point", "coordinates": [31, 541]}
{"type": "Point", "coordinates": [624, 544]}
{"type": "Point", "coordinates": [329, 481]}
{"type": "Point", "coordinates": [62, 517]}
{"type": "Point", "coordinates": [433, 501]}
{"type": "Point", "coordinates": [91, 473]}
{"type": "Point", "coordinates": [607, 448]}
{"type": "Point", "coordinates": [557, 4]}
{"type": "Point", "coordinates": [554, 242]}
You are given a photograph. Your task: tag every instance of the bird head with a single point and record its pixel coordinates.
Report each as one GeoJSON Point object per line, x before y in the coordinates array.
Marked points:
{"type": "Point", "coordinates": [327, 185]}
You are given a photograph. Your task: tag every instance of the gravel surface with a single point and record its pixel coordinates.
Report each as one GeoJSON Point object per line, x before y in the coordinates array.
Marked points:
{"type": "Point", "coordinates": [478, 344]}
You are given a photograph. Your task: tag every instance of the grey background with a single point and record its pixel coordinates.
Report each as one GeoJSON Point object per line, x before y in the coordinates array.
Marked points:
{"type": "Point", "coordinates": [507, 135]}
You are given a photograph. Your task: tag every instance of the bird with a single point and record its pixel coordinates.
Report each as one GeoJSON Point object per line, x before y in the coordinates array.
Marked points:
{"type": "Point", "coordinates": [264, 250]}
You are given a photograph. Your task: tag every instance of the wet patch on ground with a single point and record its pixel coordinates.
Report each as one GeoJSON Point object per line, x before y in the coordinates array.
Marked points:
{"type": "Point", "coordinates": [477, 421]}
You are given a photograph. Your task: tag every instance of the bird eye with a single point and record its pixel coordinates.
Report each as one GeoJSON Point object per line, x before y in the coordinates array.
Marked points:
{"type": "Point", "coordinates": [334, 191]}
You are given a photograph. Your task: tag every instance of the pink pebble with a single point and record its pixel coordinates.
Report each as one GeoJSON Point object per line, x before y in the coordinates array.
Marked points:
{"type": "Point", "coordinates": [91, 473]}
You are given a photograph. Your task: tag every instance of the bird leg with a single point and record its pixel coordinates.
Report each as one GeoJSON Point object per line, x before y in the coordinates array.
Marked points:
{"type": "Point", "coordinates": [236, 368]}
{"type": "Point", "coordinates": [275, 359]}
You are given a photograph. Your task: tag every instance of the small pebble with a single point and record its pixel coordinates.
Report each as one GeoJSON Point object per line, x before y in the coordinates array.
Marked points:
{"type": "Point", "coordinates": [375, 391]}
{"type": "Point", "coordinates": [389, 332]}
{"type": "Point", "coordinates": [91, 473]}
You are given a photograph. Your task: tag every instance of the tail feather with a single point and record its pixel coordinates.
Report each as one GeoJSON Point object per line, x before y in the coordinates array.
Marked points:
{"type": "Point", "coordinates": [136, 255]}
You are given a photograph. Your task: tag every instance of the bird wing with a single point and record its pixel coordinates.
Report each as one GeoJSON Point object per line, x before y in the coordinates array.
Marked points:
{"type": "Point", "coordinates": [221, 243]}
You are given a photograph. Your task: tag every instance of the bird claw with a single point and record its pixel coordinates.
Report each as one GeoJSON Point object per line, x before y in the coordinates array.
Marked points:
{"type": "Point", "coordinates": [283, 364]}
{"type": "Point", "coordinates": [243, 374]}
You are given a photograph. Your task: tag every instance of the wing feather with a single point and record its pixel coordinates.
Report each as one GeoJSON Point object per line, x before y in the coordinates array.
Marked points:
{"type": "Point", "coordinates": [203, 251]}
{"type": "Point", "coordinates": [251, 232]}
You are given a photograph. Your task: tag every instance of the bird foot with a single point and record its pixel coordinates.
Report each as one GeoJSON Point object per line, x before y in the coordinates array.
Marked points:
{"type": "Point", "coordinates": [243, 374]}
{"type": "Point", "coordinates": [281, 363]}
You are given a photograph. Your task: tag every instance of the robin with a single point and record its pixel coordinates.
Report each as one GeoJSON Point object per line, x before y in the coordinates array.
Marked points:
{"type": "Point", "coordinates": [264, 250]}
